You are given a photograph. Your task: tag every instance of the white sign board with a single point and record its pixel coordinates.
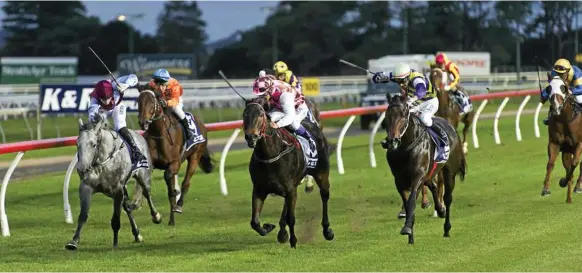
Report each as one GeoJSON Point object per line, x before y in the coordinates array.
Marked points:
{"type": "Point", "coordinates": [471, 63]}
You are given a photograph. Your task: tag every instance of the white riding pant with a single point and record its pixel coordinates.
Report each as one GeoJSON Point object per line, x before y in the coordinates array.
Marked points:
{"type": "Point", "coordinates": [118, 113]}
{"type": "Point", "coordinates": [578, 99]}
{"type": "Point", "coordinates": [300, 114]}
{"type": "Point", "coordinates": [179, 109]}
{"type": "Point", "coordinates": [426, 110]}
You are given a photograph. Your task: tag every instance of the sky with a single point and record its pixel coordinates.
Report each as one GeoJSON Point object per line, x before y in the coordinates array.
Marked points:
{"type": "Point", "coordinates": [222, 18]}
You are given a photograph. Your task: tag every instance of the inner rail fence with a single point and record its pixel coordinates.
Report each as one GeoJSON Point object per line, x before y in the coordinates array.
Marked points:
{"type": "Point", "coordinates": [20, 148]}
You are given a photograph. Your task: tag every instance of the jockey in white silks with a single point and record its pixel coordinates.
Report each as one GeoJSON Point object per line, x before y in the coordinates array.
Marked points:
{"type": "Point", "coordinates": [289, 107]}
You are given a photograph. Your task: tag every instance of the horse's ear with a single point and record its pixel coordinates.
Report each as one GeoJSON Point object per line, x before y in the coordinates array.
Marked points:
{"type": "Point", "coordinates": [81, 125]}
{"type": "Point", "coordinates": [388, 97]}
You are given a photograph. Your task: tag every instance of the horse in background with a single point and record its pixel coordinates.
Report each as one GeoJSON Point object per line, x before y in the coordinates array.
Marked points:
{"type": "Point", "coordinates": [411, 153]}
{"type": "Point", "coordinates": [277, 166]}
{"type": "Point", "coordinates": [104, 165]}
{"type": "Point", "coordinates": [166, 140]}
{"type": "Point", "coordinates": [449, 108]}
{"type": "Point", "coordinates": [565, 136]}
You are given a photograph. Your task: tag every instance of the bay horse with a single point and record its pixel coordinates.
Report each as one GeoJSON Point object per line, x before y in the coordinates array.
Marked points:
{"type": "Point", "coordinates": [278, 165]}
{"type": "Point", "coordinates": [104, 165]}
{"type": "Point", "coordinates": [410, 154]}
{"type": "Point", "coordinates": [565, 135]}
{"type": "Point", "coordinates": [449, 109]}
{"type": "Point", "coordinates": [166, 140]}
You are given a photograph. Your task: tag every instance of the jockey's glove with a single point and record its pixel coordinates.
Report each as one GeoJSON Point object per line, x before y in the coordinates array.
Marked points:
{"type": "Point", "coordinates": [121, 87]}
{"type": "Point", "coordinates": [380, 77]}
{"type": "Point", "coordinates": [164, 103]}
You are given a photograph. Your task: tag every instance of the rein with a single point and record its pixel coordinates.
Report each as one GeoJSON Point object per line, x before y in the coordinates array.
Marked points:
{"type": "Point", "coordinates": [416, 141]}
{"type": "Point", "coordinates": [263, 133]}
{"type": "Point", "coordinates": [112, 154]}
{"type": "Point", "coordinates": [158, 114]}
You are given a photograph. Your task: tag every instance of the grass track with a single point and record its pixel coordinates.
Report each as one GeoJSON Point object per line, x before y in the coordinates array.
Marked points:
{"type": "Point", "coordinates": [499, 221]}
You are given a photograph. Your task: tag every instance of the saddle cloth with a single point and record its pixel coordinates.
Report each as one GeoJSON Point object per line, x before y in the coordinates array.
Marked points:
{"type": "Point", "coordinates": [192, 127]}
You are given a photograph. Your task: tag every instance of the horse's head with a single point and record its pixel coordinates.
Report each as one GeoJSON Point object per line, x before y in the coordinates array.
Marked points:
{"type": "Point", "coordinates": [558, 92]}
{"type": "Point", "coordinates": [149, 108]}
{"type": "Point", "coordinates": [255, 120]}
{"type": "Point", "coordinates": [397, 116]}
{"type": "Point", "coordinates": [88, 145]}
{"type": "Point", "coordinates": [436, 78]}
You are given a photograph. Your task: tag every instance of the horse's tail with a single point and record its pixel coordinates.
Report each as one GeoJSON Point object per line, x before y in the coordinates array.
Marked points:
{"type": "Point", "coordinates": [206, 161]}
{"type": "Point", "coordinates": [463, 167]}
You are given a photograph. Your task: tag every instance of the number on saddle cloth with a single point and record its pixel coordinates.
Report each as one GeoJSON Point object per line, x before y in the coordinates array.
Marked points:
{"type": "Point", "coordinates": [311, 156]}
{"type": "Point", "coordinates": [192, 127]}
{"type": "Point", "coordinates": [441, 139]}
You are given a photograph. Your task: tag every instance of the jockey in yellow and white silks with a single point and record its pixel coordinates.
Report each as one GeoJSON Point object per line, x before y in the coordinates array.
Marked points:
{"type": "Point", "coordinates": [572, 77]}
{"type": "Point", "coordinates": [283, 73]}
{"type": "Point", "coordinates": [288, 104]}
{"type": "Point", "coordinates": [451, 68]}
{"type": "Point", "coordinates": [423, 99]}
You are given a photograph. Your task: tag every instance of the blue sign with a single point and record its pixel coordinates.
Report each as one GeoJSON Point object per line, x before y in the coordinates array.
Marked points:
{"type": "Point", "coordinates": [76, 98]}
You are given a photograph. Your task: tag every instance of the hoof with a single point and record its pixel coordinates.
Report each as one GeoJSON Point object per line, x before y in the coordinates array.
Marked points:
{"type": "Point", "coordinates": [268, 228]}
{"type": "Point", "coordinates": [283, 236]}
{"type": "Point", "coordinates": [328, 234]}
{"type": "Point", "coordinates": [406, 231]}
{"type": "Point", "coordinates": [563, 182]}
{"type": "Point", "coordinates": [546, 192]}
{"type": "Point", "coordinates": [426, 205]}
{"type": "Point", "coordinates": [446, 235]}
{"type": "Point", "coordinates": [177, 209]}
{"type": "Point", "coordinates": [442, 213]}
{"type": "Point", "coordinates": [171, 223]}
{"type": "Point", "coordinates": [139, 239]}
{"type": "Point", "coordinates": [72, 245]}
{"type": "Point", "coordinates": [577, 190]}
{"type": "Point", "coordinates": [402, 214]}
{"type": "Point", "coordinates": [308, 189]}
{"type": "Point", "coordinates": [157, 219]}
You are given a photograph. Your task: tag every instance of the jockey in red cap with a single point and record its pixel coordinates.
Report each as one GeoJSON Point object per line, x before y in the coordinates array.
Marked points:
{"type": "Point", "coordinates": [104, 101]}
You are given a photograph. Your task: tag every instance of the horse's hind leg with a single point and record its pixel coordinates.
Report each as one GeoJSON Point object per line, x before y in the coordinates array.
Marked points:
{"type": "Point", "coordinates": [190, 170]}
{"type": "Point", "coordinates": [322, 181]}
{"type": "Point", "coordinates": [116, 218]}
{"type": "Point", "coordinates": [144, 183]}
{"type": "Point", "coordinates": [439, 208]}
{"type": "Point", "coordinates": [127, 209]}
{"type": "Point", "coordinates": [467, 121]}
{"type": "Point", "coordinates": [578, 189]}
{"type": "Point", "coordinates": [425, 203]}
{"type": "Point", "coordinates": [85, 192]}
{"type": "Point", "coordinates": [258, 200]}
{"type": "Point", "coordinates": [449, 182]}
{"type": "Point", "coordinates": [137, 197]}
{"type": "Point", "coordinates": [553, 151]}
{"type": "Point", "coordinates": [567, 162]}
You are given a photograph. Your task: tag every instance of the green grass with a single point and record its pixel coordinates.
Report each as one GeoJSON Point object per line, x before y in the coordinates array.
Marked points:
{"type": "Point", "coordinates": [499, 221]}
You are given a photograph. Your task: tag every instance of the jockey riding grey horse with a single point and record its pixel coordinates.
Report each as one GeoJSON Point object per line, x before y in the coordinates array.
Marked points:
{"type": "Point", "coordinates": [104, 165]}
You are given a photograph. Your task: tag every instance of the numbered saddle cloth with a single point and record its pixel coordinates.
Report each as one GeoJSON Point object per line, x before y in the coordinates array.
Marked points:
{"type": "Point", "coordinates": [192, 127]}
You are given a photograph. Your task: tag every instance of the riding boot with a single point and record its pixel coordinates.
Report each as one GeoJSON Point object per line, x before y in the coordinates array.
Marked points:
{"type": "Point", "coordinates": [305, 134]}
{"type": "Point", "coordinates": [189, 135]}
{"type": "Point", "coordinates": [138, 159]}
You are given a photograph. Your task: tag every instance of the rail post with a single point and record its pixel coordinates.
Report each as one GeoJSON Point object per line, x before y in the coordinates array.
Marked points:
{"type": "Point", "coordinates": [536, 120]}
{"type": "Point", "coordinates": [66, 204]}
{"type": "Point", "coordinates": [517, 117]}
{"type": "Point", "coordinates": [3, 216]}
{"type": "Point", "coordinates": [496, 121]}
{"type": "Point", "coordinates": [340, 161]}
{"type": "Point", "coordinates": [373, 136]}
{"type": "Point", "coordinates": [223, 187]}
{"type": "Point", "coordinates": [474, 125]}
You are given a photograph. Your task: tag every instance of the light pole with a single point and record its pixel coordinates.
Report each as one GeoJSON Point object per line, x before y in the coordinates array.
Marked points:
{"type": "Point", "coordinates": [124, 17]}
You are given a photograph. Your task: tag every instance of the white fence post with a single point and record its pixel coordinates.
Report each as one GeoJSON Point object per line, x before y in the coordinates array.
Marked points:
{"type": "Point", "coordinates": [3, 216]}
{"type": "Point", "coordinates": [373, 136]}
{"type": "Point", "coordinates": [66, 204]}
{"type": "Point", "coordinates": [517, 117]}
{"type": "Point", "coordinates": [496, 121]}
{"type": "Point", "coordinates": [474, 125]}
{"type": "Point", "coordinates": [536, 120]}
{"type": "Point", "coordinates": [223, 187]}
{"type": "Point", "coordinates": [340, 161]}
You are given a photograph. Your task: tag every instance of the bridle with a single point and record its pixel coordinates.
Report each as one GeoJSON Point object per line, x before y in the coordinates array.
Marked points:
{"type": "Point", "coordinates": [94, 162]}
{"type": "Point", "coordinates": [263, 133]}
{"type": "Point", "coordinates": [158, 111]}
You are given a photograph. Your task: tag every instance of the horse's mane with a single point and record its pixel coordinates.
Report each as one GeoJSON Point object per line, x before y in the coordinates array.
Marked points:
{"type": "Point", "coordinates": [261, 100]}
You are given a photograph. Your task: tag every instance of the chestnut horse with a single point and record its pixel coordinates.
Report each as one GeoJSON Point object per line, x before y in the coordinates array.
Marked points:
{"type": "Point", "coordinates": [166, 141]}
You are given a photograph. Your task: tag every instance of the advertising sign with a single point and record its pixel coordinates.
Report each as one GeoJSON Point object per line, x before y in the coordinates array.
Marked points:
{"type": "Point", "coordinates": [180, 66]}
{"type": "Point", "coordinates": [310, 86]}
{"type": "Point", "coordinates": [35, 70]}
{"type": "Point", "coordinates": [471, 63]}
{"type": "Point", "coordinates": [75, 98]}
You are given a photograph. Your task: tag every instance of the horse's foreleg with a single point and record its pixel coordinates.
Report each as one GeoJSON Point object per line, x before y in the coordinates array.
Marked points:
{"type": "Point", "coordinates": [283, 236]}
{"type": "Point", "coordinates": [85, 193]}
{"type": "Point", "coordinates": [290, 202]}
{"type": "Point", "coordinates": [116, 218]}
{"type": "Point", "coordinates": [573, 164]}
{"type": "Point", "coordinates": [190, 170]}
{"type": "Point", "coordinates": [449, 184]}
{"type": "Point", "coordinates": [170, 176]}
{"type": "Point", "coordinates": [553, 150]}
{"type": "Point", "coordinates": [322, 181]}
{"type": "Point", "coordinates": [258, 200]}
{"type": "Point", "coordinates": [134, 229]}
{"type": "Point", "coordinates": [404, 194]}
{"type": "Point", "coordinates": [410, 207]}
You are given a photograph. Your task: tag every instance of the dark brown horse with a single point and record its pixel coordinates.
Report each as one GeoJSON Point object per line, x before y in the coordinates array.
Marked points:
{"type": "Point", "coordinates": [410, 155]}
{"type": "Point", "coordinates": [565, 135]}
{"type": "Point", "coordinates": [165, 137]}
{"type": "Point", "coordinates": [449, 109]}
{"type": "Point", "coordinates": [278, 165]}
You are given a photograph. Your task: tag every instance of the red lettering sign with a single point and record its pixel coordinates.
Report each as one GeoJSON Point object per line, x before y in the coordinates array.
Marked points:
{"type": "Point", "coordinates": [470, 62]}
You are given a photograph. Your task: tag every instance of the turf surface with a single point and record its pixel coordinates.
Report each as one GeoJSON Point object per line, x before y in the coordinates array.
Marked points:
{"type": "Point", "coordinates": [499, 221]}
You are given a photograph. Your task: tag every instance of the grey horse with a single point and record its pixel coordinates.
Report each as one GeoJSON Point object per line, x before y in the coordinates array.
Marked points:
{"type": "Point", "coordinates": [105, 166]}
